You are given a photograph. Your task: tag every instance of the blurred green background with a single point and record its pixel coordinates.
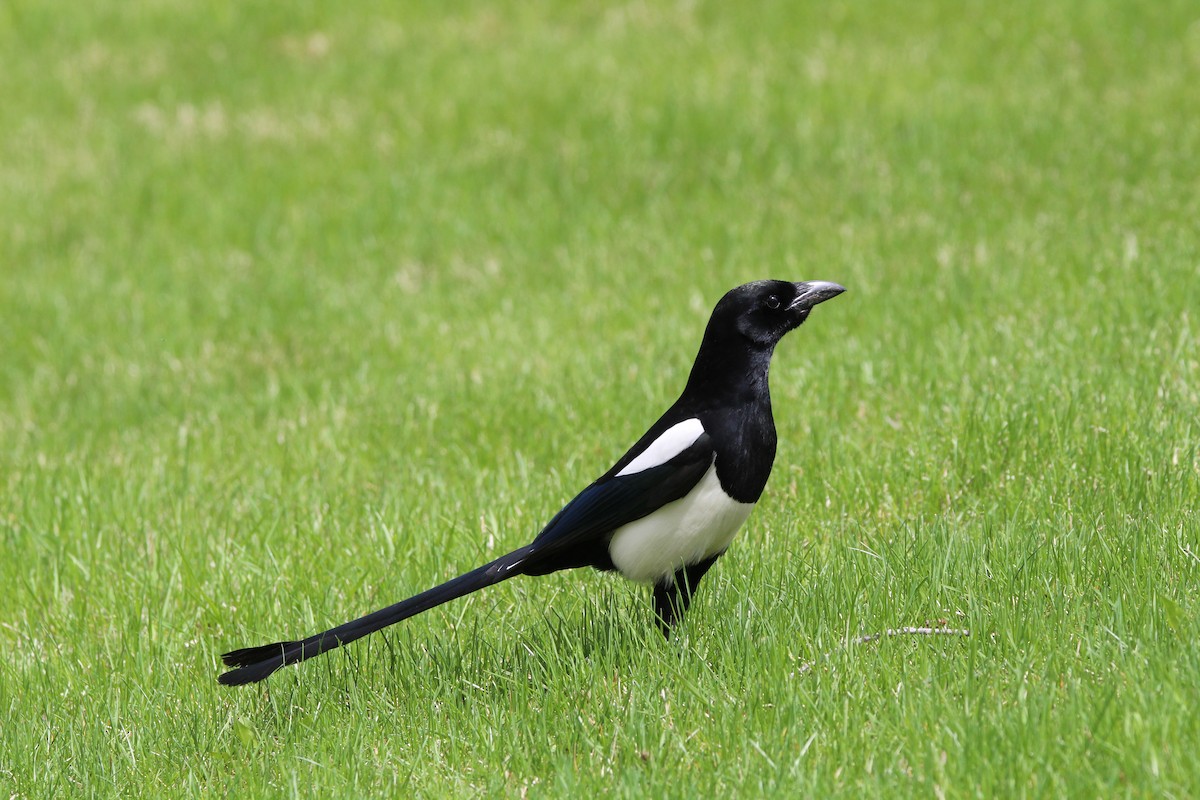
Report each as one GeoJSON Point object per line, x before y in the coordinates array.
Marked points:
{"type": "Point", "coordinates": [306, 307]}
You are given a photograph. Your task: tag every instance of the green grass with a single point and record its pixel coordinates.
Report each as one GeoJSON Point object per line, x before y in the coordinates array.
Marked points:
{"type": "Point", "coordinates": [306, 307]}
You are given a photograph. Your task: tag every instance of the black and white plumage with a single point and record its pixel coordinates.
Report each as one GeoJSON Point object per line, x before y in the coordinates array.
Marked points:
{"type": "Point", "coordinates": [667, 509]}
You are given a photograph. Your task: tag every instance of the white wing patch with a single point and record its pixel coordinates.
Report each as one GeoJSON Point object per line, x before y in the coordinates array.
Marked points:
{"type": "Point", "coordinates": [674, 440]}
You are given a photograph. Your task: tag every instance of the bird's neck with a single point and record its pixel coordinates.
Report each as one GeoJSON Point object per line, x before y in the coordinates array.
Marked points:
{"type": "Point", "coordinates": [728, 392]}
{"type": "Point", "coordinates": [730, 371]}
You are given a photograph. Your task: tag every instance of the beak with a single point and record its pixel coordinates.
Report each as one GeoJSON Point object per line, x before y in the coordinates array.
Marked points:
{"type": "Point", "coordinates": [810, 293]}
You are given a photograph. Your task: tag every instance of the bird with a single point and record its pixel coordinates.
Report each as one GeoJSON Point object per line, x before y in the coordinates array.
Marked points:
{"type": "Point", "coordinates": [666, 510]}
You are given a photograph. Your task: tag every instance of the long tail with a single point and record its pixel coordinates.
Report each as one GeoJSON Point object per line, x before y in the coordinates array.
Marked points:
{"type": "Point", "coordinates": [255, 663]}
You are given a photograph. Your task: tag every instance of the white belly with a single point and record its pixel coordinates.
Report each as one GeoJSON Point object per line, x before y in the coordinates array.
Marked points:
{"type": "Point", "coordinates": [695, 527]}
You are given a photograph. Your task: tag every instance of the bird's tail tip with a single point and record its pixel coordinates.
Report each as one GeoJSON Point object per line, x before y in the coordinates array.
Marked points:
{"type": "Point", "coordinates": [253, 663]}
{"type": "Point", "coordinates": [249, 656]}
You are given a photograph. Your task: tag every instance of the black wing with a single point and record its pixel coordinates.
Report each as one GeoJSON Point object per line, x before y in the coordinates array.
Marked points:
{"type": "Point", "coordinates": [578, 535]}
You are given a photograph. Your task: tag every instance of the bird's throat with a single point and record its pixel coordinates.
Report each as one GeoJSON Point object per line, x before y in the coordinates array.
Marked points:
{"type": "Point", "coordinates": [732, 372]}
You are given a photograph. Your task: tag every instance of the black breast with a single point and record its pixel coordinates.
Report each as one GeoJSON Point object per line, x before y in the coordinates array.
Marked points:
{"type": "Point", "coordinates": [745, 445]}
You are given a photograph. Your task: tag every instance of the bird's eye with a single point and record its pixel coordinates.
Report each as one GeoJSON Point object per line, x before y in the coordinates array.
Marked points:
{"type": "Point", "coordinates": [772, 302]}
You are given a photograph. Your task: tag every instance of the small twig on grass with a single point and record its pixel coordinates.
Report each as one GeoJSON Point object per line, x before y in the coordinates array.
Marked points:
{"type": "Point", "coordinates": [870, 637]}
{"type": "Point", "coordinates": [909, 631]}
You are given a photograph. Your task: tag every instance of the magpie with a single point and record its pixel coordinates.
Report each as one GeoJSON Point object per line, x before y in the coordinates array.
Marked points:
{"type": "Point", "coordinates": [666, 510]}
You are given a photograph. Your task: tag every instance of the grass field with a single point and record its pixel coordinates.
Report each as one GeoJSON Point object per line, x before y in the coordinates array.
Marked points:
{"type": "Point", "coordinates": [305, 307]}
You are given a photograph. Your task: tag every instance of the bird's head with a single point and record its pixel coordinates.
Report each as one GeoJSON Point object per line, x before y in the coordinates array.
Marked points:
{"type": "Point", "coordinates": [764, 311]}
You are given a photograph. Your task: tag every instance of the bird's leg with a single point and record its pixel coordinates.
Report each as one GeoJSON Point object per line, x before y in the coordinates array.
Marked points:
{"type": "Point", "coordinates": [673, 596]}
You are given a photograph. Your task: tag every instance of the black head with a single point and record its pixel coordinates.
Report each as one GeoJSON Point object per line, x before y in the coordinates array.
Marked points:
{"type": "Point", "coordinates": [764, 311]}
